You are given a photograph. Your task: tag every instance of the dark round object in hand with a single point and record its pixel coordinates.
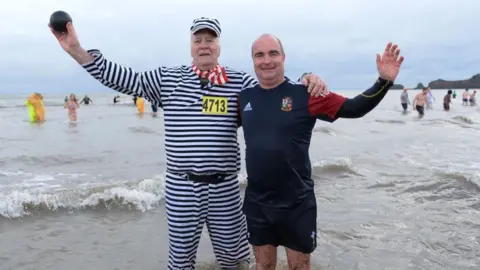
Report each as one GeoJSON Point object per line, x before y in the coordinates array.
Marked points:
{"type": "Point", "coordinates": [59, 20]}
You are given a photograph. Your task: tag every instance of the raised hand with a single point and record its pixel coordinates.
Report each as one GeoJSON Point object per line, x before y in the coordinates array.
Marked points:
{"type": "Point", "coordinates": [389, 63]}
{"type": "Point", "coordinates": [69, 40]}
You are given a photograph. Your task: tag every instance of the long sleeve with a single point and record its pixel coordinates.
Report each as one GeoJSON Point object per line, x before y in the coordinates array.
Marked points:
{"type": "Point", "coordinates": [125, 80]}
{"type": "Point", "coordinates": [333, 106]}
{"type": "Point", "coordinates": [364, 103]}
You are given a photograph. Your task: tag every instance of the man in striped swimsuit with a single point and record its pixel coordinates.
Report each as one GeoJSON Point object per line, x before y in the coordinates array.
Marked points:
{"type": "Point", "coordinates": [203, 156]}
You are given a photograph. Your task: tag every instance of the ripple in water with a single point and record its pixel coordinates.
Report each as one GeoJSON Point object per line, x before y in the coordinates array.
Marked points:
{"type": "Point", "coordinates": [391, 121]}
{"type": "Point", "coordinates": [52, 160]}
{"type": "Point", "coordinates": [339, 168]}
{"type": "Point", "coordinates": [325, 130]}
{"type": "Point", "coordinates": [464, 119]}
{"type": "Point", "coordinates": [143, 130]}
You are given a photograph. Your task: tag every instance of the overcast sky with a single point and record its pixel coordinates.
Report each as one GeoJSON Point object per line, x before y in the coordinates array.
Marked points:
{"type": "Point", "coordinates": [337, 40]}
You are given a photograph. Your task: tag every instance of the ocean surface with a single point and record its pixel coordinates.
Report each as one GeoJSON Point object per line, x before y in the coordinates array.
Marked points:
{"type": "Point", "coordinates": [394, 191]}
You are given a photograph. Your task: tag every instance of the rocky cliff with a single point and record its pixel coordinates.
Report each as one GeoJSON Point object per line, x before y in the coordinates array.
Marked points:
{"type": "Point", "coordinates": [420, 86]}
{"type": "Point", "coordinates": [473, 82]}
{"type": "Point", "coordinates": [397, 86]}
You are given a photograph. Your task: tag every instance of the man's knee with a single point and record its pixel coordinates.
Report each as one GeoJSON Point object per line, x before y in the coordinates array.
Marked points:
{"type": "Point", "coordinates": [265, 257]}
{"type": "Point", "coordinates": [297, 260]}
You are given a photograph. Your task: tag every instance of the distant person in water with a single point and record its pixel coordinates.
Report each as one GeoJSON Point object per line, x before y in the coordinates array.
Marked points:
{"type": "Point", "coordinates": [454, 94]}
{"type": "Point", "coordinates": [86, 100]}
{"type": "Point", "coordinates": [419, 102]}
{"type": "Point", "coordinates": [72, 106]}
{"type": "Point", "coordinates": [404, 100]}
{"type": "Point", "coordinates": [473, 98]}
{"type": "Point", "coordinates": [154, 110]}
{"type": "Point", "coordinates": [116, 99]}
{"type": "Point", "coordinates": [36, 108]}
{"type": "Point", "coordinates": [140, 103]}
{"type": "Point", "coordinates": [41, 109]}
{"type": "Point", "coordinates": [465, 97]}
{"type": "Point", "coordinates": [447, 100]}
{"type": "Point", "coordinates": [430, 98]}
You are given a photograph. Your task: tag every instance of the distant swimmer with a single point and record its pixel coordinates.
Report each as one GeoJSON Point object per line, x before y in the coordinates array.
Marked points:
{"type": "Point", "coordinates": [404, 100]}
{"type": "Point", "coordinates": [31, 109]}
{"type": "Point", "coordinates": [419, 102]}
{"type": "Point", "coordinates": [72, 106]}
{"type": "Point", "coordinates": [430, 98]}
{"type": "Point", "coordinates": [86, 100]}
{"type": "Point", "coordinates": [154, 109]}
{"type": "Point", "coordinates": [473, 98]}
{"type": "Point", "coordinates": [447, 100]}
{"type": "Point", "coordinates": [40, 109]}
{"type": "Point", "coordinates": [140, 102]}
{"type": "Point", "coordinates": [454, 94]}
{"type": "Point", "coordinates": [465, 97]}
{"type": "Point", "coordinates": [36, 110]}
{"type": "Point", "coordinates": [116, 99]}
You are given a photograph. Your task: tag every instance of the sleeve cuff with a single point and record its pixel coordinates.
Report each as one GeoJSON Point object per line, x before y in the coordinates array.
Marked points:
{"type": "Point", "coordinates": [384, 82]}
{"type": "Point", "coordinates": [97, 60]}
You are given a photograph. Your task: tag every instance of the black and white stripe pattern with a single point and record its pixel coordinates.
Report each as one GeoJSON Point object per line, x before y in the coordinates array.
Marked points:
{"type": "Point", "coordinates": [194, 142]}
{"type": "Point", "coordinates": [189, 205]}
{"type": "Point", "coordinates": [206, 23]}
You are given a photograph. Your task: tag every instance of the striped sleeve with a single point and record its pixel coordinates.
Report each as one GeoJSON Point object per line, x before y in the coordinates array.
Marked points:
{"type": "Point", "coordinates": [124, 79]}
{"type": "Point", "coordinates": [248, 81]}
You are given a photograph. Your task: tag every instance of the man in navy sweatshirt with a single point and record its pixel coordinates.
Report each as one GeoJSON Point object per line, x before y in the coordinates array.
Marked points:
{"type": "Point", "coordinates": [278, 120]}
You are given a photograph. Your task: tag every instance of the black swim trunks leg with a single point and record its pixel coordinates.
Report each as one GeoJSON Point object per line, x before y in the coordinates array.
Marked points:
{"type": "Point", "coordinates": [420, 110]}
{"type": "Point", "coordinates": [300, 226]}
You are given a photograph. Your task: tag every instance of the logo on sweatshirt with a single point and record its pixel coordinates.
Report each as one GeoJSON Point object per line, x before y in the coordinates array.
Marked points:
{"type": "Point", "coordinates": [287, 104]}
{"type": "Point", "coordinates": [247, 107]}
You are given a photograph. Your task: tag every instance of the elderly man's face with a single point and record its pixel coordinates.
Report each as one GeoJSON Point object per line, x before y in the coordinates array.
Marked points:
{"type": "Point", "coordinates": [205, 49]}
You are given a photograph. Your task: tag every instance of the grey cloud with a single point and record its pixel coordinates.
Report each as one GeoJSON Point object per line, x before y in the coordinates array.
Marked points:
{"type": "Point", "coordinates": [335, 39]}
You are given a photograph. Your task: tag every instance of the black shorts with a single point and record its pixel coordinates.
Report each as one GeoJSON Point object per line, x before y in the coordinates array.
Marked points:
{"type": "Point", "coordinates": [294, 228]}
{"type": "Point", "coordinates": [420, 110]}
{"type": "Point", "coordinates": [405, 106]}
{"type": "Point", "coordinates": [446, 106]}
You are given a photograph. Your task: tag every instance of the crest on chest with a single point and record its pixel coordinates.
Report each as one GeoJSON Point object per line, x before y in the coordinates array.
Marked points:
{"type": "Point", "coordinates": [286, 104]}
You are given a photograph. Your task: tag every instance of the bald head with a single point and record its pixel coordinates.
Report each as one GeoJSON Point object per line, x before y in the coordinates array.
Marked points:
{"type": "Point", "coordinates": [268, 61]}
{"type": "Point", "coordinates": [268, 38]}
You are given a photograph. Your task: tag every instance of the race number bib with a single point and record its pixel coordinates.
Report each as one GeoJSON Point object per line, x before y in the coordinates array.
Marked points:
{"type": "Point", "coordinates": [214, 105]}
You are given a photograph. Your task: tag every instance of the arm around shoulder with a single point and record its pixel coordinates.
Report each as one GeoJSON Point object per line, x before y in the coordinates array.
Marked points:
{"type": "Point", "coordinates": [248, 81]}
